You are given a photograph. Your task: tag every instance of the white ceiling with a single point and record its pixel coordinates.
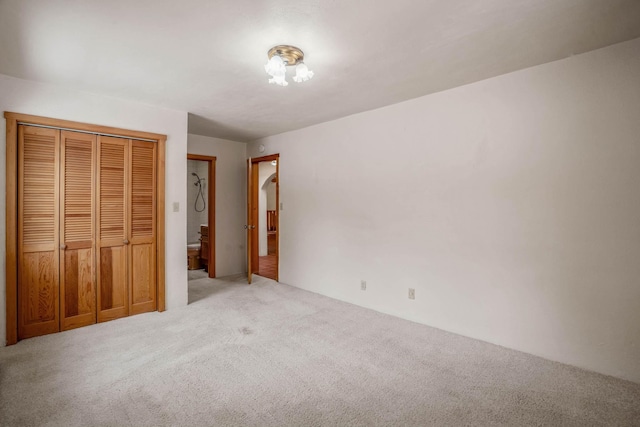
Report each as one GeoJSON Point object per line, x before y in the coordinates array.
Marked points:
{"type": "Point", "coordinates": [206, 56]}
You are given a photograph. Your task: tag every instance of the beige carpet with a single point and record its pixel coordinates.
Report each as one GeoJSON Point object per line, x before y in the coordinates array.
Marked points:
{"type": "Point", "coordinates": [270, 354]}
{"type": "Point", "coordinates": [197, 274]}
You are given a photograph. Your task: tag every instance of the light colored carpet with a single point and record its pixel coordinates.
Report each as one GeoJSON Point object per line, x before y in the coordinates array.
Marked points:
{"type": "Point", "coordinates": [197, 274]}
{"type": "Point", "coordinates": [271, 354]}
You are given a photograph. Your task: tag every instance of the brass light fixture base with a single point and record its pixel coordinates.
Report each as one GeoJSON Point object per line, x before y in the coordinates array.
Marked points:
{"type": "Point", "coordinates": [290, 54]}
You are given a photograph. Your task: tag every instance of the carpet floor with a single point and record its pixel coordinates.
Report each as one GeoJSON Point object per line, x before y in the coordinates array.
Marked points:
{"type": "Point", "coordinates": [197, 274]}
{"type": "Point", "coordinates": [273, 355]}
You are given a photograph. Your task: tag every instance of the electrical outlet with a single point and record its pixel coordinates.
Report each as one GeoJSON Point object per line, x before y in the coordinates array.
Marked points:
{"type": "Point", "coordinates": [412, 293]}
{"type": "Point", "coordinates": [176, 206]}
{"type": "Point", "coordinates": [363, 285]}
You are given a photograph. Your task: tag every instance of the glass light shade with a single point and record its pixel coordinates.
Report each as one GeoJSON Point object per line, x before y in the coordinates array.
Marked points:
{"type": "Point", "coordinates": [279, 77]}
{"type": "Point", "coordinates": [274, 65]}
{"type": "Point", "coordinates": [302, 73]}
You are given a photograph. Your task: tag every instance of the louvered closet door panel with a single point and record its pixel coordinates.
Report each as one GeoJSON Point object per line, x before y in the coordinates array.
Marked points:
{"type": "Point", "coordinates": [77, 283]}
{"type": "Point", "coordinates": [143, 233]}
{"type": "Point", "coordinates": [38, 231]}
{"type": "Point", "coordinates": [111, 227]}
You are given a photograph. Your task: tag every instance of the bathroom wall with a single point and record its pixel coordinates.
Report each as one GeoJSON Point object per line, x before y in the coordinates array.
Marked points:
{"type": "Point", "coordinates": [194, 218]}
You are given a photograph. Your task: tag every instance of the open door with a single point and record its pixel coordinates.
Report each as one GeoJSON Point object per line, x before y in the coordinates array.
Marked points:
{"type": "Point", "coordinates": [277, 217]}
{"type": "Point", "coordinates": [263, 249]}
{"type": "Point", "coordinates": [249, 214]}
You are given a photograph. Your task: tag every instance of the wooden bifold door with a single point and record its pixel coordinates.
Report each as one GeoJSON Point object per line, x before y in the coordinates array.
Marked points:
{"type": "Point", "coordinates": [77, 219]}
{"type": "Point", "coordinates": [86, 238]}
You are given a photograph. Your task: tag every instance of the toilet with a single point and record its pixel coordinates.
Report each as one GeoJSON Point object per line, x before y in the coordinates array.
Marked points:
{"type": "Point", "coordinates": [193, 256]}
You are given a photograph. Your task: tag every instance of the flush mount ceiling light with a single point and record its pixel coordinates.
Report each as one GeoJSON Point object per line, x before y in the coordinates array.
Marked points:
{"type": "Point", "coordinates": [283, 56]}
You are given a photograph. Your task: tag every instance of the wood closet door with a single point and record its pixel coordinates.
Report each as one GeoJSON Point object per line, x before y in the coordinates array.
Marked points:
{"type": "Point", "coordinates": [38, 231]}
{"type": "Point", "coordinates": [142, 220]}
{"type": "Point", "coordinates": [77, 269]}
{"type": "Point", "coordinates": [112, 243]}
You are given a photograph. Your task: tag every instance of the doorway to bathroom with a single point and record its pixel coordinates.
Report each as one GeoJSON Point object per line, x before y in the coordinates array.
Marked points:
{"type": "Point", "coordinates": [201, 262]}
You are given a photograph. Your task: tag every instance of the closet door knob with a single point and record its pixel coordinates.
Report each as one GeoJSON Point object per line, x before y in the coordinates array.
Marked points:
{"type": "Point", "coordinates": [63, 246]}
{"type": "Point", "coordinates": [126, 241]}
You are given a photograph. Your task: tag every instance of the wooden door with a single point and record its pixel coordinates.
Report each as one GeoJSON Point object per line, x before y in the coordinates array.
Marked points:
{"type": "Point", "coordinates": [255, 217]}
{"type": "Point", "coordinates": [277, 219]}
{"type": "Point", "coordinates": [77, 248]}
{"type": "Point", "coordinates": [111, 228]}
{"type": "Point", "coordinates": [38, 231]}
{"type": "Point", "coordinates": [142, 230]}
{"type": "Point", "coordinates": [250, 264]}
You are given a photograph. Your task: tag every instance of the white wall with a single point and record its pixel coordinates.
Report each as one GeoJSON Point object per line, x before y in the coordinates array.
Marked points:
{"type": "Point", "coordinates": [512, 207]}
{"type": "Point", "coordinates": [194, 218]}
{"type": "Point", "coordinates": [27, 97]}
{"type": "Point", "coordinates": [265, 171]}
{"type": "Point", "coordinates": [231, 200]}
{"type": "Point", "coordinates": [271, 196]}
